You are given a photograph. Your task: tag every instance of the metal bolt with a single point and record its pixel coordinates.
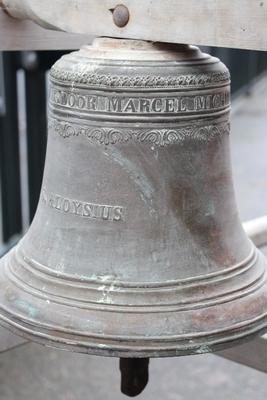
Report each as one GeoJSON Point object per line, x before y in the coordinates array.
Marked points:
{"type": "Point", "coordinates": [121, 15]}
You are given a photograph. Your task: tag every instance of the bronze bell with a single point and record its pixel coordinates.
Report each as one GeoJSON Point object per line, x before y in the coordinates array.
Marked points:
{"type": "Point", "coordinates": [136, 249]}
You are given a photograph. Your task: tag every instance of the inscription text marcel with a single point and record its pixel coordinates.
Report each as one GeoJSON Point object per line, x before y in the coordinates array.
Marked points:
{"type": "Point", "coordinates": [81, 208]}
{"type": "Point", "coordinates": [140, 105]}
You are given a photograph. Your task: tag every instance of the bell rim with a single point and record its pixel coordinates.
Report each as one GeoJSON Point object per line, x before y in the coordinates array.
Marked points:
{"type": "Point", "coordinates": [132, 346]}
{"type": "Point", "coordinates": [114, 350]}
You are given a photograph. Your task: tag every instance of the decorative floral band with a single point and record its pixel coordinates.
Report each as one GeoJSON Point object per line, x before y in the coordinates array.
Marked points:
{"type": "Point", "coordinates": [156, 136]}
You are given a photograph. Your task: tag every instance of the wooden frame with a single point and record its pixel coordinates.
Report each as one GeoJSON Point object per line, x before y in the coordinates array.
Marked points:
{"type": "Point", "coordinates": [227, 23]}
{"type": "Point", "coordinates": [26, 35]}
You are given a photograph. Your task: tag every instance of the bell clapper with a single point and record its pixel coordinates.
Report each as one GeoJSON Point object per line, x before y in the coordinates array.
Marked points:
{"type": "Point", "coordinates": [134, 375]}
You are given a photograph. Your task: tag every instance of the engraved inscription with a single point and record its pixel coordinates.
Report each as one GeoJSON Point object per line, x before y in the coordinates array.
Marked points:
{"type": "Point", "coordinates": [140, 105]}
{"type": "Point", "coordinates": [159, 137]}
{"type": "Point", "coordinates": [74, 100]}
{"type": "Point", "coordinates": [81, 208]}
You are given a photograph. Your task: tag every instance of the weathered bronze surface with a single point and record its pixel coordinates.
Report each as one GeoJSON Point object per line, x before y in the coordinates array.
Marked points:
{"type": "Point", "coordinates": [136, 249]}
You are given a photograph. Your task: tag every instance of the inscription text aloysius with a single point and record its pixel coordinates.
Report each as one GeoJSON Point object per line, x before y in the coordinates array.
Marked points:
{"type": "Point", "coordinates": [81, 208]}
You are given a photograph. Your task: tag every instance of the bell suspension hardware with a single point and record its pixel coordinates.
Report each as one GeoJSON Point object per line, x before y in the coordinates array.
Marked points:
{"type": "Point", "coordinates": [136, 249]}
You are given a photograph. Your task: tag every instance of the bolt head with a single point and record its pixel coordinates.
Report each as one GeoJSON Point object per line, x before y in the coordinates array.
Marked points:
{"type": "Point", "coordinates": [121, 15]}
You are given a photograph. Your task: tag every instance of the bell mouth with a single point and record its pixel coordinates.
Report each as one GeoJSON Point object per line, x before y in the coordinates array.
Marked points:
{"type": "Point", "coordinates": [81, 323]}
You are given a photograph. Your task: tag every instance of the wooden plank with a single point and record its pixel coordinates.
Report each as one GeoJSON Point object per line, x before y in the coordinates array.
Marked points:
{"type": "Point", "coordinates": [257, 230]}
{"type": "Point", "coordinates": [228, 23]}
{"type": "Point", "coordinates": [8, 340]}
{"type": "Point", "coordinates": [252, 354]}
{"type": "Point", "coordinates": [25, 35]}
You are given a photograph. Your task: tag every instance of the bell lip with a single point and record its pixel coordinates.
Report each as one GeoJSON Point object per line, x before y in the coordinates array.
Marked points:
{"type": "Point", "coordinates": [114, 350]}
{"type": "Point", "coordinates": [52, 332]}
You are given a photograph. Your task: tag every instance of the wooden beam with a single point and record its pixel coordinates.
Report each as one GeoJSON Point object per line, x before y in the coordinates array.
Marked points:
{"type": "Point", "coordinates": [227, 23]}
{"type": "Point", "coordinates": [252, 354]}
{"type": "Point", "coordinates": [256, 229]}
{"type": "Point", "coordinates": [8, 341]}
{"type": "Point", "coordinates": [26, 35]}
